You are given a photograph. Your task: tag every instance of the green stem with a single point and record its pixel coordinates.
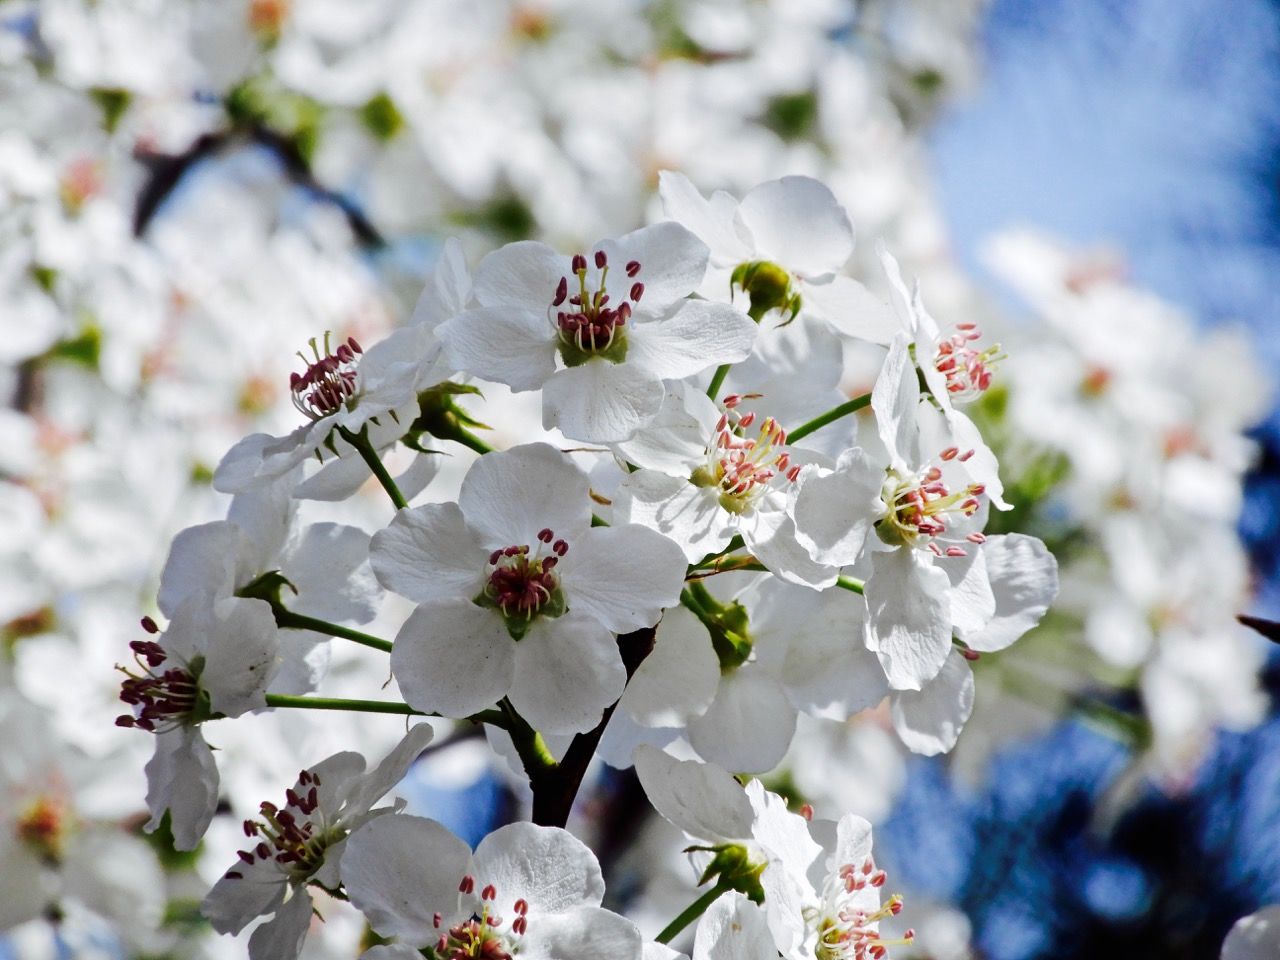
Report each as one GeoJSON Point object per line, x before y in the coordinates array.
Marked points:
{"type": "Point", "coordinates": [850, 584]}
{"type": "Point", "coordinates": [469, 440]}
{"type": "Point", "coordinates": [717, 381]}
{"type": "Point", "coordinates": [281, 700]}
{"type": "Point", "coordinates": [297, 621]}
{"type": "Point", "coordinates": [835, 413]}
{"type": "Point", "coordinates": [736, 543]}
{"type": "Point", "coordinates": [370, 456]}
{"type": "Point", "coordinates": [691, 913]}
{"type": "Point", "coordinates": [534, 755]}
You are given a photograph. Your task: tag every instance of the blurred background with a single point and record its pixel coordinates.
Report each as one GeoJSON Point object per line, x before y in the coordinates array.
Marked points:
{"type": "Point", "coordinates": [190, 189]}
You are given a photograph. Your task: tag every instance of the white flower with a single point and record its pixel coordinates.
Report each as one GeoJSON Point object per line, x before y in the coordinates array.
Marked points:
{"type": "Point", "coordinates": [711, 474]}
{"type": "Point", "coordinates": [616, 321]}
{"type": "Point", "coordinates": [527, 891]}
{"type": "Point", "coordinates": [301, 843]}
{"type": "Point", "coordinates": [784, 244]}
{"type": "Point", "coordinates": [518, 595]}
{"type": "Point", "coordinates": [215, 660]}
{"type": "Point", "coordinates": [733, 928]}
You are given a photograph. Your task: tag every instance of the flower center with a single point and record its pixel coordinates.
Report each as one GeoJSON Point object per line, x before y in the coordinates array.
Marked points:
{"type": "Point", "coordinates": [590, 326]}
{"type": "Point", "coordinates": [745, 468]}
{"type": "Point", "coordinates": [967, 369]}
{"type": "Point", "coordinates": [522, 582]}
{"type": "Point", "coordinates": [846, 929]}
{"type": "Point", "coordinates": [163, 698]}
{"type": "Point", "coordinates": [329, 381]}
{"type": "Point", "coordinates": [42, 826]}
{"type": "Point", "coordinates": [481, 936]}
{"type": "Point", "coordinates": [922, 507]}
{"type": "Point", "coordinates": [291, 836]}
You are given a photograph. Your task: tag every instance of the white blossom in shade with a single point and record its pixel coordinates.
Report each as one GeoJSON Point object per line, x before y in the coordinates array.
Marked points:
{"type": "Point", "coordinates": [302, 842]}
{"type": "Point", "coordinates": [527, 891]}
{"type": "Point", "coordinates": [784, 244]}
{"type": "Point", "coordinates": [214, 660]}
{"type": "Point", "coordinates": [801, 655]}
{"type": "Point", "coordinates": [597, 333]}
{"type": "Point", "coordinates": [518, 595]}
{"type": "Point", "coordinates": [833, 912]}
{"type": "Point", "coordinates": [343, 388]}
{"type": "Point", "coordinates": [60, 844]}
{"type": "Point", "coordinates": [1255, 937]}
{"type": "Point", "coordinates": [708, 474]}
{"type": "Point", "coordinates": [746, 829]}
{"type": "Point", "coordinates": [733, 928]}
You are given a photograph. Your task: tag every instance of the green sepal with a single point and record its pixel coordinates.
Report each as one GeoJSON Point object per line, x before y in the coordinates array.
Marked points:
{"type": "Point", "coordinates": [573, 356]}
{"type": "Point", "coordinates": [732, 867]}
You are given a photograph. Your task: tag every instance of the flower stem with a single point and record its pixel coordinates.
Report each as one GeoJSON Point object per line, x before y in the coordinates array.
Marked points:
{"type": "Point", "coordinates": [850, 584]}
{"type": "Point", "coordinates": [469, 440]}
{"type": "Point", "coordinates": [534, 755]}
{"type": "Point", "coordinates": [717, 381]}
{"type": "Point", "coordinates": [281, 700]}
{"type": "Point", "coordinates": [691, 913]}
{"type": "Point", "coordinates": [297, 621]}
{"type": "Point", "coordinates": [370, 456]}
{"type": "Point", "coordinates": [835, 413]}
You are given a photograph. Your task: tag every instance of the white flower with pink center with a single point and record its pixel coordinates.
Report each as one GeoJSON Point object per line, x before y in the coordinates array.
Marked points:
{"type": "Point", "coordinates": [519, 595]}
{"type": "Point", "coordinates": [301, 842]}
{"type": "Point", "coordinates": [528, 891]}
{"type": "Point", "coordinates": [216, 659]}
{"type": "Point", "coordinates": [930, 576]}
{"type": "Point", "coordinates": [709, 474]}
{"type": "Point", "coordinates": [597, 333]}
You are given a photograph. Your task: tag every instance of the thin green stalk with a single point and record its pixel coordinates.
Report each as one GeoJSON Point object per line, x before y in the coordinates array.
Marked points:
{"type": "Point", "coordinates": [469, 440]}
{"type": "Point", "coordinates": [717, 381]}
{"type": "Point", "coordinates": [287, 701]}
{"type": "Point", "coordinates": [297, 621]}
{"type": "Point", "coordinates": [370, 456]}
{"type": "Point", "coordinates": [691, 913]}
{"type": "Point", "coordinates": [835, 413]}
{"type": "Point", "coordinates": [850, 584]}
{"type": "Point", "coordinates": [534, 755]}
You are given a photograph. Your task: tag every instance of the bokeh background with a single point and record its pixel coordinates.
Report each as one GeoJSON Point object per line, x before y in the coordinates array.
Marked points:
{"type": "Point", "coordinates": [192, 189]}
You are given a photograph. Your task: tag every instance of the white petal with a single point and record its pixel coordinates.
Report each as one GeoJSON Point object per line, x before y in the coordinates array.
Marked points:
{"type": "Point", "coordinates": [797, 222]}
{"type": "Point", "coordinates": [522, 274]}
{"type": "Point", "coordinates": [247, 891]}
{"type": "Point", "coordinates": [929, 721]}
{"type": "Point", "coordinates": [782, 833]}
{"type": "Point", "coordinates": [733, 928]}
{"type": "Point", "coordinates": [429, 553]}
{"type": "Point", "coordinates": [601, 402]}
{"type": "Point", "coordinates": [672, 263]}
{"type": "Point", "coordinates": [202, 563]}
{"type": "Point", "coordinates": [971, 600]}
{"type": "Point", "coordinates": [679, 678]}
{"type": "Point", "coordinates": [1024, 580]}
{"type": "Point", "coordinates": [682, 202]}
{"type": "Point", "coordinates": [508, 497]}
{"type": "Point", "coordinates": [834, 511]}
{"type": "Point", "coordinates": [116, 875]}
{"type": "Point", "coordinates": [448, 290]}
{"type": "Point", "coordinates": [675, 508]}
{"type": "Point", "coordinates": [894, 399]}
{"type": "Point", "coordinates": [853, 841]}
{"type": "Point", "coordinates": [512, 346]}
{"type": "Point", "coordinates": [700, 798]}
{"type": "Point", "coordinates": [910, 618]}
{"type": "Point", "coordinates": [183, 779]}
{"type": "Point", "coordinates": [699, 335]}
{"type": "Point", "coordinates": [1255, 937]}
{"type": "Point", "coordinates": [367, 789]}
{"type": "Point", "coordinates": [584, 933]}
{"type": "Point", "coordinates": [242, 656]}
{"type": "Point", "coordinates": [329, 567]}
{"type": "Point", "coordinates": [400, 871]}
{"type": "Point", "coordinates": [453, 657]}
{"type": "Point", "coordinates": [749, 726]}
{"type": "Point", "coordinates": [675, 441]}
{"type": "Point", "coordinates": [548, 867]}
{"type": "Point", "coordinates": [851, 308]}
{"type": "Point", "coordinates": [281, 937]}
{"type": "Point", "coordinates": [623, 576]}
{"type": "Point", "coordinates": [27, 886]}
{"type": "Point", "coordinates": [771, 536]}
{"type": "Point", "coordinates": [567, 671]}
{"type": "Point", "coordinates": [829, 672]}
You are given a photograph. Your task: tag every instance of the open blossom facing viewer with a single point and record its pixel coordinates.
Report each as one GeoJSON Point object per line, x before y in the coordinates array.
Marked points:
{"type": "Point", "coordinates": [598, 333]}
{"type": "Point", "coordinates": [519, 595]}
